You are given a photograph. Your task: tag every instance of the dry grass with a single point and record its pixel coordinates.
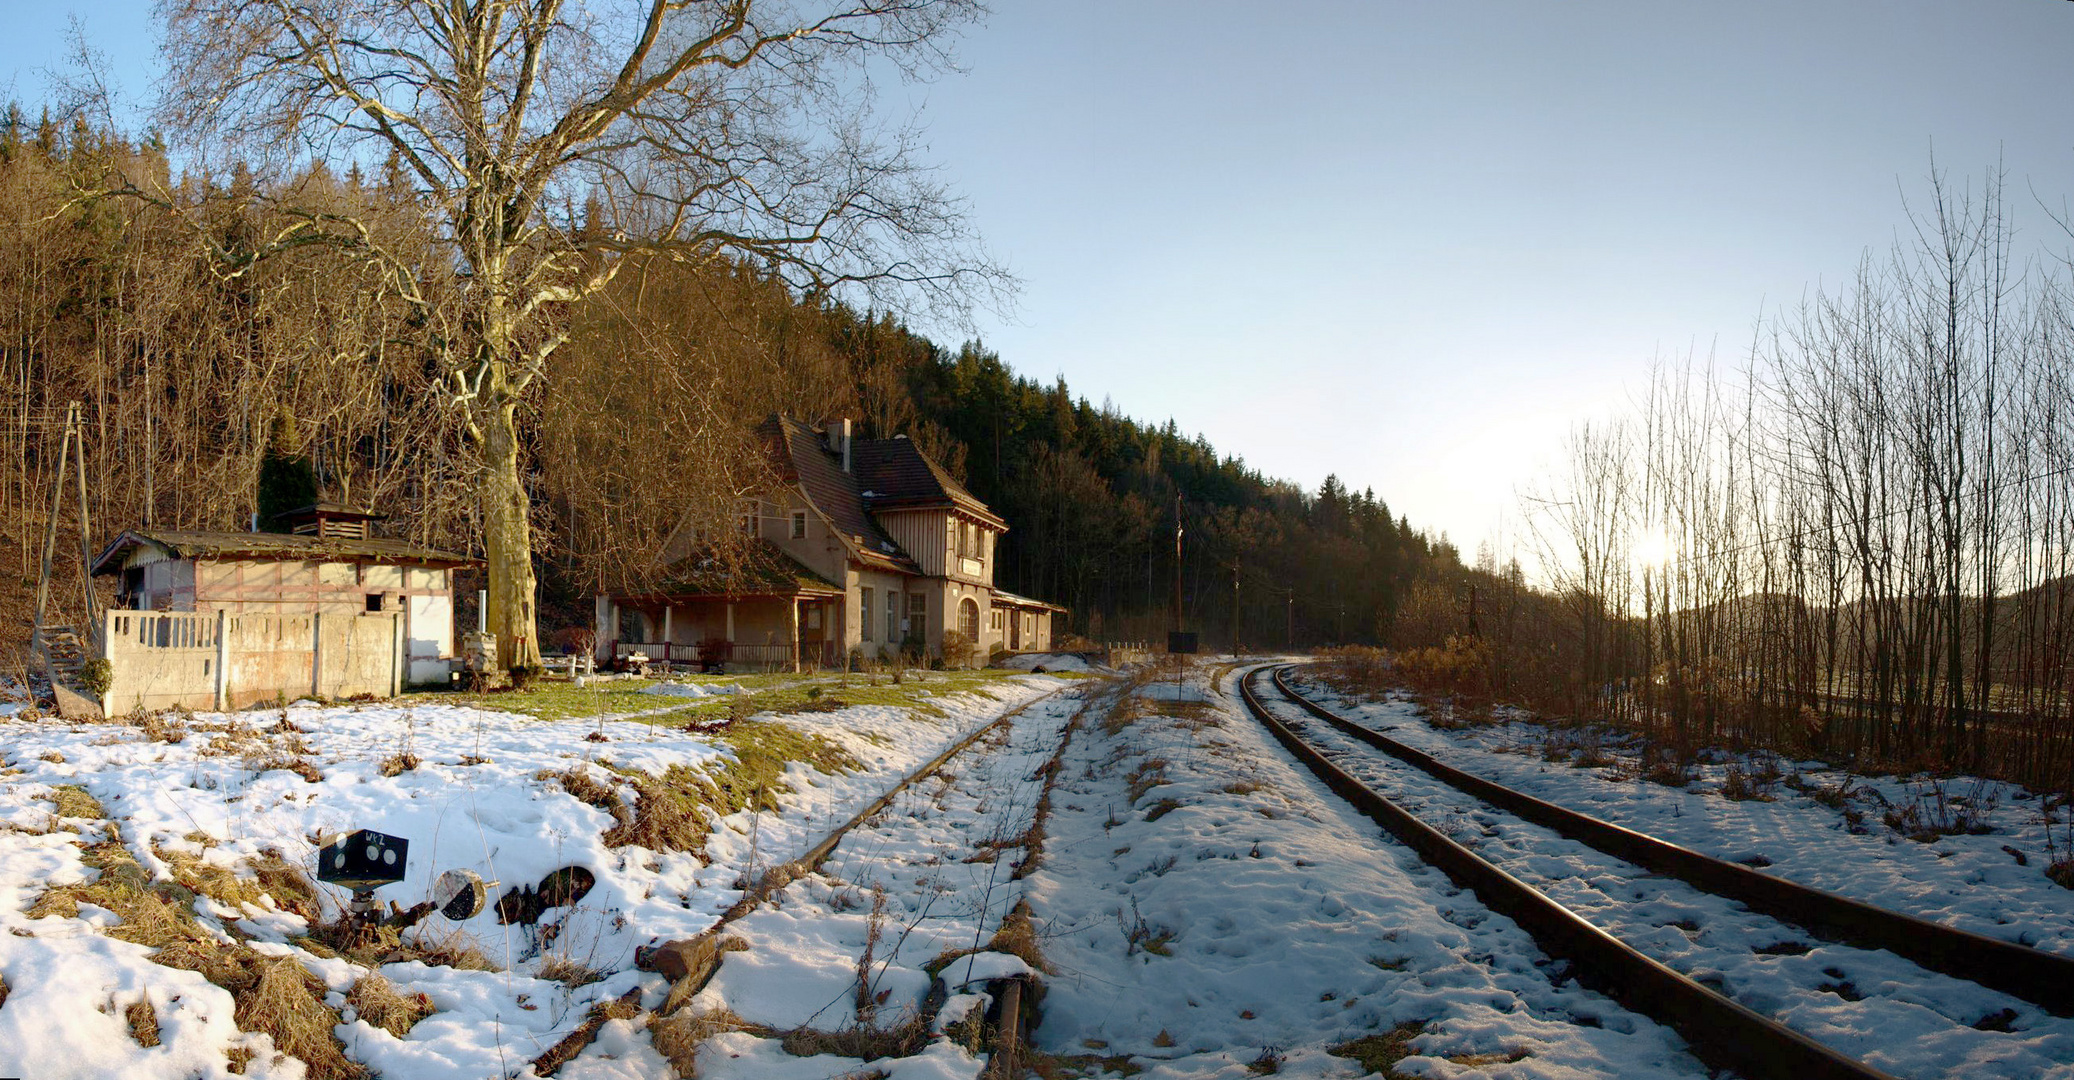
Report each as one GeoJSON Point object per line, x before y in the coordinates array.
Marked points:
{"type": "Point", "coordinates": [159, 727]}
{"type": "Point", "coordinates": [143, 1023]}
{"type": "Point", "coordinates": [1017, 937]}
{"type": "Point", "coordinates": [569, 971]}
{"type": "Point", "coordinates": [860, 1041]}
{"type": "Point", "coordinates": [1149, 774]}
{"type": "Point", "coordinates": [585, 788]}
{"type": "Point", "coordinates": [73, 801]}
{"type": "Point", "coordinates": [677, 1037]}
{"type": "Point", "coordinates": [372, 947]}
{"type": "Point", "coordinates": [668, 813]}
{"type": "Point", "coordinates": [1381, 1052]}
{"type": "Point", "coordinates": [398, 764]}
{"type": "Point", "coordinates": [286, 1003]}
{"type": "Point", "coordinates": [302, 767]}
{"type": "Point", "coordinates": [375, 999]}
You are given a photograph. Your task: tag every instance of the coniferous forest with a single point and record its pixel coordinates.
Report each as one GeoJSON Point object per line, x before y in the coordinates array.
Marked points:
{"type": "Point", "coordinates": [190, 377]}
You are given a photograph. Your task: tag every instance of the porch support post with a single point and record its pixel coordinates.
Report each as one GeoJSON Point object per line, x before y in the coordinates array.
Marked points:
{"type": "Point", "coordinates": [669, 613]}
{"type": "Point", "coordinates": [792, 617]}
{"type": "Point", "coordinates": [730, 622]}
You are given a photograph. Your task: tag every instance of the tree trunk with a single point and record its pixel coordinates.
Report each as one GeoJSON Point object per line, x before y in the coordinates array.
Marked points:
{"type": "Point", "coordinates": [507, 537]}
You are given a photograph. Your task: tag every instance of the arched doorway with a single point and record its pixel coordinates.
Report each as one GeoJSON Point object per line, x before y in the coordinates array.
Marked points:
{"type": "Point", "coordinates": [968, 622]}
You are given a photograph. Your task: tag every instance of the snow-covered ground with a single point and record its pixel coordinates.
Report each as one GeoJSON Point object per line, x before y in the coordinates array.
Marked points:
{"type": "Point", "coordinates": [470, 789]}
{"type": "Point", "coordinates": [1048, 662]}
{"type": "Point", "coordinates": [1208, 906]}
{"type": "Point", "coordinates": [918, 891]}
{"type": "Point", "coordinates": [1966, 881]}
{"type": "Point", "coordinates": [1869, 1004]}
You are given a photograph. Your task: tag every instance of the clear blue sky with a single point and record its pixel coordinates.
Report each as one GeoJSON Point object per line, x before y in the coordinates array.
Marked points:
{"type": "Point", "coordinates": [1412, 243]}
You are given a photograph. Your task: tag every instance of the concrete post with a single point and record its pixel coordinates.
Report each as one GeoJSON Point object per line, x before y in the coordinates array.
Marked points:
{"type": "Point", "coordinates": [669, 613]}
{"type": "Point", "coordinates": [396, 640]}
{"type": "Point", "coordinates": [317, 655]}
{"type": "Point", "coordinates": [222, 660]}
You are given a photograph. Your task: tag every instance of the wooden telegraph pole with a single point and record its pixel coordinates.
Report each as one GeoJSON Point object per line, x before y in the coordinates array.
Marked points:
{"type": "Point", "coordinates": [1177, 564]}
{"type": "Point", "coordinates": [1235, 610]}
{"type": "Point", "coordinates": [1290, 641]}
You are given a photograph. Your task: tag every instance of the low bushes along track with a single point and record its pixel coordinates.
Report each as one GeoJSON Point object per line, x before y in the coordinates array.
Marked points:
{"type": "Point", "coordinates": [1721, 1031]}
{"type": "Point", "coordinates": [2042, 978]}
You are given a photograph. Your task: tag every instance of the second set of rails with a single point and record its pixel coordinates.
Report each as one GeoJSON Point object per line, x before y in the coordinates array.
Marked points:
{"type": "Point", "coordinates": [1721, 1030]}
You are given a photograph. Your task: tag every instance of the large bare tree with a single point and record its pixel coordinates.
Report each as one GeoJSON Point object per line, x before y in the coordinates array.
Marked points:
{"type": "Point", "coordinates": [695, 129]}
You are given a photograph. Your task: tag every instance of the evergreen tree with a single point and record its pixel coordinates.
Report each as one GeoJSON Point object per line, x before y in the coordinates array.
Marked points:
{"type": "Point", "coordinates": [287, 480]}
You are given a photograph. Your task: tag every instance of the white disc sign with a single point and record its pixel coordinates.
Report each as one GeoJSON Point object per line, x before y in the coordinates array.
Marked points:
{"type": "Point", "coordinates": [458, 894]}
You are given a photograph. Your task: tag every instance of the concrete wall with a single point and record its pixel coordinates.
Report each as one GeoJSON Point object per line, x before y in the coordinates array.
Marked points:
{"type": "Point", "coordinates": [217, 660]}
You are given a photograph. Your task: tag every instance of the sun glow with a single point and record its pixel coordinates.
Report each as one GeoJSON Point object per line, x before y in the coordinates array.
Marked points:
{"type": "Point", "coordinates": [1652, 549]}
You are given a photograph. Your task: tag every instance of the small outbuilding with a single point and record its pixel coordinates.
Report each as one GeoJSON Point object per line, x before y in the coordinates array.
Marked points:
{"type": "Point", "coordinates": [326, 609]}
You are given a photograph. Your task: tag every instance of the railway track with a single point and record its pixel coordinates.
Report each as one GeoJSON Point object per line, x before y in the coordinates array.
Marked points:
{"type": "Point", "coordinates": [1603, 950]}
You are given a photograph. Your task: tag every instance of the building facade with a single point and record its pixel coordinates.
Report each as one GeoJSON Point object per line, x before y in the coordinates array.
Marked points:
{"type": "Point", "coordinates": [329, 566]}
{"type": "Point", "coordinates": [866, 549]}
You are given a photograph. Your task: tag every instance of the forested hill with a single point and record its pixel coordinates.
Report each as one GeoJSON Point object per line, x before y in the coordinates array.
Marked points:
{"type": "Point", "coordinates": [639, 429]}
{"type": "Point", "coordinates": [1091, 497]}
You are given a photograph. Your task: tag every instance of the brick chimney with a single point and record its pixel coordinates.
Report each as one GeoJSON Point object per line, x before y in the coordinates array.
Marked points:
{"type": "Point", "coordinates": [841, 436]}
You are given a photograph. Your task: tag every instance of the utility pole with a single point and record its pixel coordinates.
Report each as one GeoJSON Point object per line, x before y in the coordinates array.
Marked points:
{"type": "Point", "coordinates": [1290, 642]}
{"type": "Point", "coordinates": [1235, 610]}
{"type": "Point", "coordinates": [1177, 563]}
{"type": "Point", "coordinates": [1474, 630]}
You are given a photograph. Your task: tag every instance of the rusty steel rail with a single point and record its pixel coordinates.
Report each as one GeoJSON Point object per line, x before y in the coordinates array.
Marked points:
{"type": "Point", "coordinates": [1720, 1031]}
{"type": "Point", "coordinates": [2041, 978]}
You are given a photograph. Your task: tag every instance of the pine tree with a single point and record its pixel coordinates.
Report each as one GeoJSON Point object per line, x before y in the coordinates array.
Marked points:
{"type": "Point", "coordinates": [286, 478]}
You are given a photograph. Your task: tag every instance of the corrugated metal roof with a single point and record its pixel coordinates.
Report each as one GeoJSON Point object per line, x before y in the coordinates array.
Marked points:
{"type": "Point", "coordinates": [193, 544]}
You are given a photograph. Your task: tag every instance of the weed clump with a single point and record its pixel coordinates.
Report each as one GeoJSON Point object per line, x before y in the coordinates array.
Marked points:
{"type": "Point", "coordinates": [377, 1001]}
{"type": "Point", "coordinates": [73, 801]}
{"type": "Point", "coordinates": [1381, 1052]}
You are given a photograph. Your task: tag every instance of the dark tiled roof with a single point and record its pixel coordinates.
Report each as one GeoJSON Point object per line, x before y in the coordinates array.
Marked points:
{"type": "Point", "coordinates": [185, 544]}
{"type": "Point", "coordinates": [805, 460]}
{"type": "Point", "coordinates": [759, 568]}
{"type": "Point", "coordinates": [898, 474]}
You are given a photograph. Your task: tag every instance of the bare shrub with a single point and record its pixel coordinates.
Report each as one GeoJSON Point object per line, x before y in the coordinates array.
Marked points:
{"type": "Point", "coordinates": [1357, 671]}
{"type": "Point", "coordinates": [1462, 666]}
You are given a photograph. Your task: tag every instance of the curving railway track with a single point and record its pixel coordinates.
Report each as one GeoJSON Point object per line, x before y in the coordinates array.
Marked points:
{"type": "Point", "coordinates": [1671, 932]}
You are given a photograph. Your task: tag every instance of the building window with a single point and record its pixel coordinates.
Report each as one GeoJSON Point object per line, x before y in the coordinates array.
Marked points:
{"type": "Point", "coordinates": [799, 524]}
{"type": "Point", "coordinates": [998, 622]}
{"type": "Point", "coordinates": [864, 613]}
{"type": "Point", "coordinates": [892, 617]}
{"type": "Point", "coordinates": [917, 617]}
{"type": "Point", "coordinates": [968, 620]}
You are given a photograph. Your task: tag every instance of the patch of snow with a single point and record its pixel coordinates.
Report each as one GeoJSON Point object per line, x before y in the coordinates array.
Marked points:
{"type": "Point", "coordinates": [1046, 662]}
{"type": "Point", "coordinates": [677, 689]}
